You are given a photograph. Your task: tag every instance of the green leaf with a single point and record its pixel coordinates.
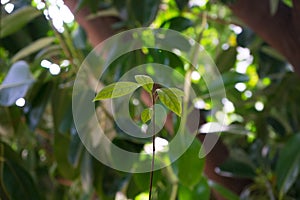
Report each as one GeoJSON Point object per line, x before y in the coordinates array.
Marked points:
{"type": "Point", "coordinates": [177, 23]}
{"type": "Point", "coordinates": [274, 6]}
{"type": "Point", "coordinates": [190, 162]}
{"type": "Point", "coordinates": [79, 38]}
{"type": "Point", "coordinates": [200, 190]}
{"type": "Point", "coordinates": [33, 47]}
{"type": "Point", "coordinates": [181, 4]}
{"type": "Point", "coordinates": [142, 13]}
{"type": "Point", "coordinates": [61, 152]}
{"type": "Point", "coordinates": [76, 147]}
{"type": "Point", "coordinates": [15, 180]}
{"type": "Point", "coordinates": [37, 104]}
{"type": "Point", "coordinates": [224, 192]}
{"type": "Point", "coordinates": [238, 164]}
{"type": "Point", "coordinates": [287, 168]}
{"type": "Point", "coordinates": [145, 81]}
{"type": "Point", "coordinates": [17, 20]}
{"type": "Point", "coordinates": [141, 178]}
{"type": "Point", "coordinates": [116, 90]}
{"type": "Point", "coordinates": [170, 99]}
{"type": "Point", "coordinates": [86, 172]}
{"type": "Point", "coordinates": [272, 52]}
{"type": "Point", "coordinates": [16, 83]}
{"type": "Point", "coordinates": [226, 59]}
{"type": "Point", "coordinates": [146, 115]}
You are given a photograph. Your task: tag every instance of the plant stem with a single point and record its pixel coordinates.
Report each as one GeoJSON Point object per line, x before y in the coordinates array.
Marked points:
{"type": "Point", "coordinates": [153, 148]}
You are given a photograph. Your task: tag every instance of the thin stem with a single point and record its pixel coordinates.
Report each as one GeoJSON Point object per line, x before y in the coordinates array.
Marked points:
{"type": "Point", "coordinates": [153, 148]}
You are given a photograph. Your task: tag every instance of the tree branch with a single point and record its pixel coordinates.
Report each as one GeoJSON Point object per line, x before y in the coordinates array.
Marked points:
{"type": "Point", "coordinates": [97, 29]}
{"type": "Point", "coordinates": [280, 30]}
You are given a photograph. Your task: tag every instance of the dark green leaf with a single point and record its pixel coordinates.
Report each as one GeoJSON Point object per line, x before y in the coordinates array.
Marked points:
{"type": "Point", "coordinates": [226, 59]}
{"type": "Point", "coordinates": [170, 99]}
{"type": "Point", "coordinates": [177, 23]}
{"type": "Point", "coordinates": [76, 148]}
{"type": "Point", "coordinates": [224, 192]}
{"type": "Point", "coordinates": [142, 13]}
{"type": "Point", "coordinates": [86, 172]}
{"type": "Point", "coordinates": [79, 38]}
{"type": "Point", "coordinates": [146, 115]}
{"type": "Point", "coordinates": [61, 153]}
{"type": "Point", "coordinates": [181, 4]}
{"type": "Point", "coordinates": [14, 178]}
{"type": "Point", "coordinates": [15, 84]}
{"type": "Point", "coordinates": [237, 168]}
{"type": "Point", "coordinates": [33, 47]}
{"type": "Point", "coordinates": [287, 168]}
{"type": "Point", "coordinates": [190, 167]}
{"type": "Point", "coordinates": [145, 81]}
{"type": "Point", "coordinates": [116, 90]}
{"type": "Point", "coordinates": [141, 178]}
{"type": "Point", "coordinates": [14, 22]}
{"type": "Point", "coordinates": [201, 190]}
{"type": "Point", "coordinates": [37, 104]}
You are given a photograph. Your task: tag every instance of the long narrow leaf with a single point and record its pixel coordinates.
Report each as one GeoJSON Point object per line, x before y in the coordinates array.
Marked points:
{"type": "Point", "coordinates": [33, 47]}
{"type": "Point", "coordinates": [14, 22]}
{"type": "Point", "coordinates": [287, 169]}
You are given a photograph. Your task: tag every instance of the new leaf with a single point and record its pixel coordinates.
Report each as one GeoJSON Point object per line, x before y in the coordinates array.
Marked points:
{"type": "Point", "coordinates": [145, 81]}
{"type": "Point", "coordinates": [146, 115]}
{"type": "Point", "coordinates": [169, 97]}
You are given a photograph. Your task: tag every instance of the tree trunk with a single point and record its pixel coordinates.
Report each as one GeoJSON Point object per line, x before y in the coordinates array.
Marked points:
{"type": "Point", "coordinates": [281, 31]}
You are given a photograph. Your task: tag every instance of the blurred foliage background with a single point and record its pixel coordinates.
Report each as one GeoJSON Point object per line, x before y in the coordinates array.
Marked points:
{"type": "Point", "coordinates": [41, 155]}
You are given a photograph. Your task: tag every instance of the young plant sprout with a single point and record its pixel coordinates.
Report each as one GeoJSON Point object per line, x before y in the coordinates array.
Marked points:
{"type": "Point", "coordinates": [170, 97]}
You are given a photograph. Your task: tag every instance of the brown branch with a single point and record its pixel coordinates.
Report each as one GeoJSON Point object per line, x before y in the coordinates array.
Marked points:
{"type": "Point", "coordinates": [281, 30]}
{"type": "Point", "coordinates": [97, 29]}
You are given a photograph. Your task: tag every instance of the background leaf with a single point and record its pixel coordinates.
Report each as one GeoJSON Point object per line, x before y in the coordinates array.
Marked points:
{"type": "Point", "coordinates": [287, 168]}
{"type": "Point", "coordinates": [201, 190]}
{"type": "Point", "coordinates": [226, 59]}
{"type": "Point", "coordinates": [16, 83]}
{"type": "Point", "coordinates": [226, 193]}
{"type": "Point", "coordinates": [142, 12]}
{"type": "Point", "coordinates": [190, 162]}
{"type": "Point", "coordinates": [14, 22]}
{"type": "Point", "coordinates": [177, 23]}
{"type": "Point", "coordinates": [16, 180]}
{"type": "Point", "coordinates": [33, 47]}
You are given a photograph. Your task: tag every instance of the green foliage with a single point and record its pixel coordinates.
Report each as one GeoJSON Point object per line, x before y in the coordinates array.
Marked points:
{"type": "Point", "coordinates": [145, 81]}
{"type": "Point", "coordinates": [14, 22]}
{"type": "Point", "coordinates": [146, 115]}
{"type": "Point", "coordinates": [32, 48]}
{"type": "Point", "coordinates": [116, 90]}
{"type": "Point", "coordinates": [42, 156]}
{"type": "Point", "coordinates": [287, 168]}
{"type": "Point", "coordinates": [196, 165]}
{"type": "Point", "coordinates": [16, 83]}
